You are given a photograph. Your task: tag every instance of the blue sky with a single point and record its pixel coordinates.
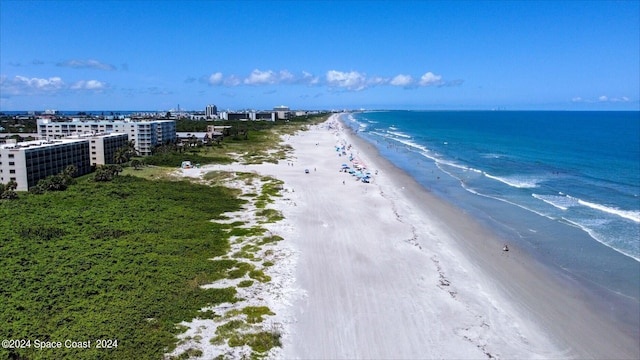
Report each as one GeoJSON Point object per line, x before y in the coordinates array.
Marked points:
{"type": "Point", "coordinates": [154, 55]}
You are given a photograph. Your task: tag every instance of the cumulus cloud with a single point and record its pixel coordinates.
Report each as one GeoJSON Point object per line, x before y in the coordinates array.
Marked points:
{"type": "Point", "coordinates": [352, 80]}
{"type": "Point", "coordinates": [603, 98]}
{"type": "Point", "coordinates": [87, 64]}
{"type": "Point", "coordinates": [377, 80]}
{"type": "Point", "coordinates": [21, 85]}
{"type": "Point", "coordinates": [232, 80]}
{"type": "Point", "coordinates": [309, 79]}
{"type": "Point", "coordinates": [258, 77]}
{"type": "Point", "coordinates": [402, 80]}
{"type": "Point", "coordinates": [215, 79]}
{"type": "Point", "coordinates": [429, 79]}
{"type": "Point", "coordinates": [286, 76]}
{"type": "Point", "coordinates": [88, 85]}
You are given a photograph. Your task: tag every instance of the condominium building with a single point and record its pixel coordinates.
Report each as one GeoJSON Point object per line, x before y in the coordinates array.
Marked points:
{"type": "Point", "coordinates": [283, 112]}
{"type": "Point", "coordinates": [103, 146]}
{"type": "Point", "coordinates": [146, 134]}
{"type": "Point", "coordinates": [211, 111]}
{"type": "Point", "coordinates": [28, 162]}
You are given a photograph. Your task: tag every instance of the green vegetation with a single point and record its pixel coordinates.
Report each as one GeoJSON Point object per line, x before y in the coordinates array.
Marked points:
{"type": "Point", "coordinates": [84, 264]}
{"type": "Point", "coordinates": [250, 142]}
{"type": "Point", "coordinates": [122, 254]}
{"type": "Point", "coordinates": [107, 172]}
{"type": "Point", "coordinates": [190, 353]}
{"type": "Point", "coordinates": [59, 182]}
{"type": "Point", "coordinates": [260, 342]}
{"type": "Point", "coordinates": [8, 190]}
{"type": "Point", "coordinates": [245, 283]}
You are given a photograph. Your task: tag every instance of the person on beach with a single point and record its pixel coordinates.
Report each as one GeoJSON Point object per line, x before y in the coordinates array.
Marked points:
{"type": "Point", "coordinates": [505, 248]}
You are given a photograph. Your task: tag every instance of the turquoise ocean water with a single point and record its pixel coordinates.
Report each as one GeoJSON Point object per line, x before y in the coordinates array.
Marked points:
{"type": "Point", "coordinates": [565, 186]}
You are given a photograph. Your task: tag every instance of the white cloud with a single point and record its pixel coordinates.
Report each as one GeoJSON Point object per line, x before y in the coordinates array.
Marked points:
{"type": "Point", "coordinates": [232, 80]}
{"type": "Point", "coordinates": [601, 99]}
{"type": "Point", "coordinates": [377, 80]}
{"type": "Point", "coordinates": [52, 83]}
{"type": "Point", "coordinates": [87, 64]}
{"type": "Point", "coordinates": [88, 85]}
{"type": "Point", "coordinates": [352, 80]}
{"type": "Point", "coordinates": [258, 77]}
{"type": "Point", "coordinates": [286, 76]}
{"type": "Point", "coordinates": [309, 79]}
{"type": "Point", "coordinates": [215, 79]}
{"type": "Point", "coordinates": [402, 80]}
{"type": "Point", "coordinates": [620, 99]}
{"type": "Point", "coordinates": [21, 85]}
{"type": "Point", "coordinates": [430, 78]}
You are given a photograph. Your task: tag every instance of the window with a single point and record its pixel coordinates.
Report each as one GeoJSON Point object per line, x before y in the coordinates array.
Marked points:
{"type": "Point", "coordinates": [11, 156]}
{"type": "Point", "coordinates": [12, 171]}
{"type": "Point", "coordinates": [11, 163]}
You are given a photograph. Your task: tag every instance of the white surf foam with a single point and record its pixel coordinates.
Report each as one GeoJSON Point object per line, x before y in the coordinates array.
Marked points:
{"type": "Point", "coordinates": [516, 181]}
{"type": "Point", "coordinates": [627, 214]}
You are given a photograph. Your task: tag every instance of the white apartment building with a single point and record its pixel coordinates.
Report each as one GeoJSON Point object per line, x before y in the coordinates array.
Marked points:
{"type": "Point", "coordinates": [283, 112]}
{"type": "Point", "coordinates": [146, 134]}
{"type": "Point", "coordinates": [28, 162]}
{"type": "Point", "coordinates": [102, 147]}
{"type": "Point", "coordinates": [211, 111]}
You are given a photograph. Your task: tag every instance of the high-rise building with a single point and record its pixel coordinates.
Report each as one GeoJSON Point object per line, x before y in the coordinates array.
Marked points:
{"type": "Point", "coordinates": [146, 134]}
{"type": "Point", "coordinates": [211, 111]}
{"type": "Point", "coordinates": [283, 112]}
{"type": "Point", "coordinates": [28, 162]}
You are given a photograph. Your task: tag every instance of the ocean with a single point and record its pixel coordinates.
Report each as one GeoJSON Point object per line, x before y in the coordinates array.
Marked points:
{"type": "Point", "coordinates": [564, 186]}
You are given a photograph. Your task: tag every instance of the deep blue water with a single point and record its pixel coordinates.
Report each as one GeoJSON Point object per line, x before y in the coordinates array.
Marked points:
{"type": "Point", "coordinates": [564, 185]}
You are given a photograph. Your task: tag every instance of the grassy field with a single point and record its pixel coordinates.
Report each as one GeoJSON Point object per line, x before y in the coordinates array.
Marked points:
{"type": "Point", "coordinates": [123, 260]}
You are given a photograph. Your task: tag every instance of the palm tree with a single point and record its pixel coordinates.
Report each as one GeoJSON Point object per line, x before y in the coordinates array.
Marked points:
{"type": "Point", "coordinates": [131, 148]}
{"type": "Point", "coordinates": [120, 156]}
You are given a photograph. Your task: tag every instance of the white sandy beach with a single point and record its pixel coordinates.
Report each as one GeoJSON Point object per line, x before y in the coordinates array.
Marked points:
{"type": "Point", "coordinates": [386, 270]}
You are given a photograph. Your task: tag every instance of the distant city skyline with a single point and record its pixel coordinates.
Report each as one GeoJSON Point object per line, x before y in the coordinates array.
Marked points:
{"type": "Point", "coordinates": [427, 55]}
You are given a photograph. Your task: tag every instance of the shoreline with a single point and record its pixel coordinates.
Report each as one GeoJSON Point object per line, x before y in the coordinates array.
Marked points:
{"type": "Point", "coordinates": [389, 270]}
{"type": "Point", "coordinates": [571, 314]}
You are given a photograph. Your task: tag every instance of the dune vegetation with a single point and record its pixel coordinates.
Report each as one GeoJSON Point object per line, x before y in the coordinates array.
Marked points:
{"type": "Point", "coordinates": [125, 260]}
